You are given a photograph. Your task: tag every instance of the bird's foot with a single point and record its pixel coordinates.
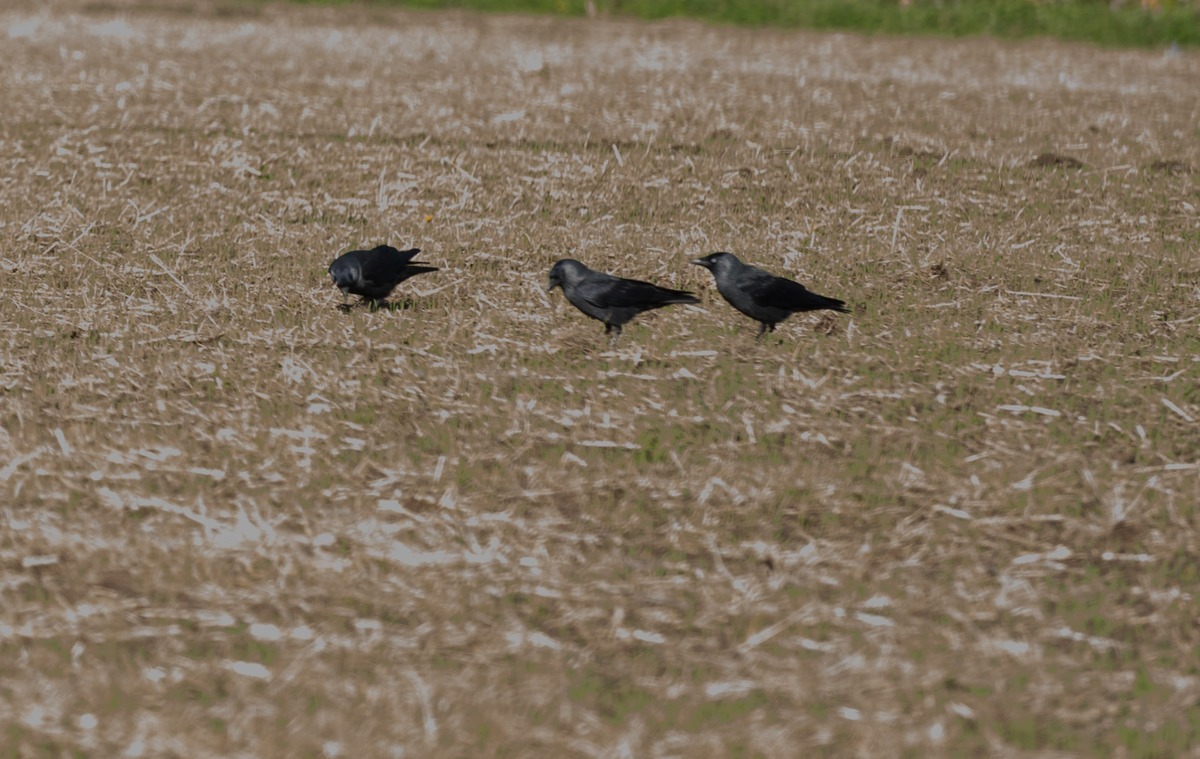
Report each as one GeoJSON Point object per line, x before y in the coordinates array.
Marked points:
{"type": "Point", "coordinates": [763, 329]}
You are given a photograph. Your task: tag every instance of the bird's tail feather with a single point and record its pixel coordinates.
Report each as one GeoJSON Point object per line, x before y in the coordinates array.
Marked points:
{"type": "Point", "coordinates": [672, 297]}
{"type": "Point", "coordinates": [833, 304]}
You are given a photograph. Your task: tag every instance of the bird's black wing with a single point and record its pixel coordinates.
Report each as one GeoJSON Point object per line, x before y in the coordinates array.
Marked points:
{"type": "Point", "coordinates": [385, 264]}
{"type": "Point", "coordinates": [607, 291]}
{"type": "Point", "coordinates": [780, 292]}
{"type": "Point", "coordinates": [387, 252]}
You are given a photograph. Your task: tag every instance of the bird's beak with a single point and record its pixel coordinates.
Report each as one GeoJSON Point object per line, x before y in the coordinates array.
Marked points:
{"type": "Point", "coordinates": [550, 287]}
{"type": "Point", "coordinates": [700, 262]}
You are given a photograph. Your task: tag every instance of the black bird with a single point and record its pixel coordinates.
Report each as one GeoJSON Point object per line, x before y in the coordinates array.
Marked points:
{"type": "Point", "coordinates": [761, 295]}
{"type": "Point", "coordinates": [612, 300]}
{"type": "Point", "coordinates": [374, 273]}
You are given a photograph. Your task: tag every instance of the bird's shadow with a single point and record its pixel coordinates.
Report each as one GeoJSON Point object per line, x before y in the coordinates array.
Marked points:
{"type": "Point", "coordinates": [376, 305]}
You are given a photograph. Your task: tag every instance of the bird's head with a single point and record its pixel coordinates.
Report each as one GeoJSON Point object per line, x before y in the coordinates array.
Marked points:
{"type": "Point", "coordinates": [568, 271]}
{"type": "Point", "coordinates": [716, 262]}
{"type": "Point", "coordinates": [344, 274]}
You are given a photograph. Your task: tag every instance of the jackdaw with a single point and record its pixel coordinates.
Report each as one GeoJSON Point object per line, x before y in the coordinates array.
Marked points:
{"type": "Point", "coordinates": [761, 295]}
{"type": "Point", "coordinates": [612, 300]}
{"type": "Point", "coordinates": [374, 273]}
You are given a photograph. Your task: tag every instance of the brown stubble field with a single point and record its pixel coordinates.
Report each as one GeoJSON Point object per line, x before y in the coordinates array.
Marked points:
{"type": "Point", "coordinates": [236, 522]}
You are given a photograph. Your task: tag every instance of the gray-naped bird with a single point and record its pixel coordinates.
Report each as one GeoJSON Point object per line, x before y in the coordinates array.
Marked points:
{"type": "Point", "coordinates": [374, 273]}
{"type": "Point", "coordinates": [612, 300]}
{"type": "Point", "coordinates": [762, 296]}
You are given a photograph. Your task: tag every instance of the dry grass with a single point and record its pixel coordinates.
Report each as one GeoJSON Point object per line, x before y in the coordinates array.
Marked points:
{"type": "Point", "coordinates": [962, 521]}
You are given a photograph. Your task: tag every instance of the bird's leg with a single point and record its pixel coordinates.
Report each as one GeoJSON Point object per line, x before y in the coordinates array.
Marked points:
{"type": "Point", "coordinates": [762, 330]}
{"type": "Point", "coordinates": [614, 330]}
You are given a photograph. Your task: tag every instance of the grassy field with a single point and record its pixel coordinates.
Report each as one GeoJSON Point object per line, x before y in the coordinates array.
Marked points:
{"type": "Point", "coordinates": [1121, 23]}
{"type": "Point", "coordinates": [962, 521]}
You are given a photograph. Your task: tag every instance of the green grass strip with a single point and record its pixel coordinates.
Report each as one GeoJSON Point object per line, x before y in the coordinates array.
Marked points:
{"type": "Point", "coordinates": [1125, 25]}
